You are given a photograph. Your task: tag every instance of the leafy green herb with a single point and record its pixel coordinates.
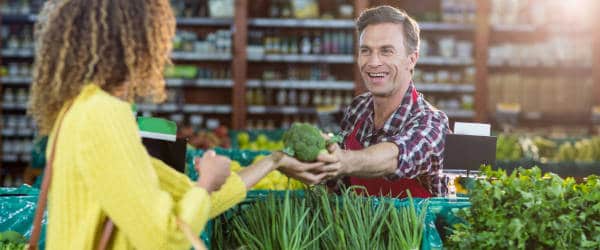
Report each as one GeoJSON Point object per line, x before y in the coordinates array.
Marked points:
{"type": "Point", "coordinates": [528, 210]}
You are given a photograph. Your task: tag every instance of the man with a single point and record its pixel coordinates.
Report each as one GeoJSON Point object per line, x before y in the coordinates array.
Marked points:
{"type": "Point", "coordinates": [393, 138]}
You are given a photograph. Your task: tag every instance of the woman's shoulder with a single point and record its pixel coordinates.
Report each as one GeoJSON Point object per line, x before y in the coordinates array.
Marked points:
{"type": "Point", "coordinates": [95, 101]}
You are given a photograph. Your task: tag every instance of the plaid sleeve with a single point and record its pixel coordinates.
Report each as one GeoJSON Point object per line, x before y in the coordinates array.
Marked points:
{"type": "Point", "coordinates": [421, 147]}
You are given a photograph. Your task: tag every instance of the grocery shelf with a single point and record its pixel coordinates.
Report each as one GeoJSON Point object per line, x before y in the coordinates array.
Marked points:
{"type": "Point", "coordinates": [444, 61]}
{"type": "Point", "coordinates": [186, 108]}
{"type": "Point", "coordinates": [433, 26]}
{"type": "Point", "coordinates": [531, 28]}
{"type": "Point", "coordinates": [210, 109]}
{"type": "Point", "coordinates": [10, 158]}
{"type": "Point", "coordinates": [17, 53]}
{"type": "Point", "coordinates": [17, 133]}
{"type": "Point", "coordinates": [302, 58]}
{"type": "Point", "coordinates": [15, 80]}
{"type": "Point", "coordinates": [514, 28]}
{"type": "Point", "coordinates": [286, 110]}
{"type": "Point", "coordinates": [198, 56]}
{"type": "Point", "coordinates": [301, 84]}
{"type": "Point", "coordinates": [445, 87]}
{"type": "Point", "coordinates": [210, 83]}
{"type": "Point", "coordinates": [19, 18]}
{"type": "Point", "coordinates": [162, 108]}
{"type": "Point", "coordinates": [302, 23]}
{"type": "Point", "coordinates": [192, 21]}
{"type": "Point", "coordinates": [14, 106]}
{"type": "Point", "coordinates": [460, 114]}
{"type": "Point", "coordinates": [204, 21]}
{"type": "Point", "coordinates": [535, 66]}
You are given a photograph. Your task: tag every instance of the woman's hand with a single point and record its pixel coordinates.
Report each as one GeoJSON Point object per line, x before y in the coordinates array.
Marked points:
{"type": "Point", "coordinates": [213, 170]}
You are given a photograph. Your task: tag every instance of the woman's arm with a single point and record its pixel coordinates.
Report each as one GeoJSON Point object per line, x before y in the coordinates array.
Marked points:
{"type": "Point", "coordinates": [118, 173]}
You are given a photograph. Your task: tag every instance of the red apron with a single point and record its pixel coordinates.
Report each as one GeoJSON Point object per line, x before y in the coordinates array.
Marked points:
{"type": "Point", "coordinates": [381, 186]}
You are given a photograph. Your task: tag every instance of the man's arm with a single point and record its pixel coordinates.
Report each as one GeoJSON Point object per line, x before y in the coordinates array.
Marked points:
{"type": "Point", "coordinates": [408, 155]}
{"type": "Point", "coordinates": [378, 160]}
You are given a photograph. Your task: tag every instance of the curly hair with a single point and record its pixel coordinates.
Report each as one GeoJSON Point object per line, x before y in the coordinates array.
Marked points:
{"type": "Point", "coordinates": [102, 42]}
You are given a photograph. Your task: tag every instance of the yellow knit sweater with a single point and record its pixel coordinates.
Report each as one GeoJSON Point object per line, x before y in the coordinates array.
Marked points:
{"type": "Point", "coordinates": [101, 168]}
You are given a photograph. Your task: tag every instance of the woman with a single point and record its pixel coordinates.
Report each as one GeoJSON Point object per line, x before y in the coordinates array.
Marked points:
{"type": "Point", "coordinates": [93, 56]}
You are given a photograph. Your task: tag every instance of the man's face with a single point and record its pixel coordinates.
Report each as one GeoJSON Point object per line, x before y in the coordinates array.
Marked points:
{"type": "Point", "coordinates": [382, 59]}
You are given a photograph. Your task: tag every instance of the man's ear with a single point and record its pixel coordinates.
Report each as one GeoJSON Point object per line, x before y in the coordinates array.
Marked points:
{"type": "Point", "coordinates": [412, 59]}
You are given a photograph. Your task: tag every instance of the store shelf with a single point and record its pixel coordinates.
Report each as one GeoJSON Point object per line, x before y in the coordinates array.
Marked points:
{"type": "Point", "coordinates": [14, 106]}
{"type": "Point", "coordinates": [445, 61]}
{"type": "Point", "coordinates": [460, 114]}
{"type": "Point", "coordinates": [302, 23]}
{"type": "Point", "coordinates": [530, 28]}
{"type": "Point", "coordinates": [534, 66]}
{"type": "Point", "coordinates": [204, 21]}
{"type": "Point", "coordinates": [299, 84]}
{"type": "Point", "coordinates": [15, 80]}
{"type": "Point", "coordinates": [17, 53]}
{"type": "Point", "coordinates": [11, 133]}
{"type": "Point", "coordinates": [197, 56]}
{"type": "Point", "coordinates": [514, 28]}
{"type": "Point", "coordinates": [10, 158]}
{"type": "Point", "coordinates": [430, 26]}
{"type": "Point", "coordinates": [286, 110]}
{"type": "Point", "coordinates": [294, 58]}
{"type": "Point", "coordinates": [19, 18]}
{"type": "Point", "coordinates": [160, 108]}
{"type": "Point", "coordinates": [208, 109]}
{"type": "Point", "coordinates": [445, 87]}
{"type": "Point", "coordinates": [208, 83]}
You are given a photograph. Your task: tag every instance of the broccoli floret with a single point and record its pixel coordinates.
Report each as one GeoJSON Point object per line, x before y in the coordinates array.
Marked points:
{"type": "Point", "coordinates": [304, 142]}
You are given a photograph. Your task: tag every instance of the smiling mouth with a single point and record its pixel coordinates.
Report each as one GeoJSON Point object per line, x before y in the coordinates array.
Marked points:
{"type": "Point", "coordinates": [378, 75]}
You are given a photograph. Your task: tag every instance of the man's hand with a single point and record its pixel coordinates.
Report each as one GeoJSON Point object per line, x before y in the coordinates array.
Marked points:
{"type": "Point", "coordinates": [334, 162]}
{"type": "Point", "coordinates": [304, 172]}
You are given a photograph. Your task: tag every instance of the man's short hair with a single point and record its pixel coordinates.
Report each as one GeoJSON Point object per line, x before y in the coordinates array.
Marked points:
{"type": "Point", "coordinates": [389, 14]}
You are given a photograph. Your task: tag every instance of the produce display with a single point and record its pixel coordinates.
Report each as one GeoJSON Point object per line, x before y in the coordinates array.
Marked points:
{"type": "Point", "coordinates": [11, 240]}
{"type": "Point", "coordinates": [317, 220]}
{"type": "Point", "coordinates": [273, 181]}
{"type": "Point", "coordinates": [528, 210]}
{"type": "Point", "coordinates": [261, 142]}
{"type": "Point", "coordinates": [585, 150]}
{"type": "Point", "coordinates": [508, 148]}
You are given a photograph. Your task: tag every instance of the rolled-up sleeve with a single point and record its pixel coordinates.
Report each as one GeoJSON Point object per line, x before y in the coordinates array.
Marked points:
{"type": "Point", "coordinates": [421, 146]}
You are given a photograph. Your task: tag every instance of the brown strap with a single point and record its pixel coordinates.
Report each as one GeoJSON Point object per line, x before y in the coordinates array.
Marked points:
{"type": "Point", "coordinates": [106, 234]}
{"type": "Point", "coordinates": [43, 198]}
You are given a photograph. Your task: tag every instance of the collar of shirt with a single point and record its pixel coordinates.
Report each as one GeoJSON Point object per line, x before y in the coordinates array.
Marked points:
{"type": "Point", "coordinates": [392, 125]}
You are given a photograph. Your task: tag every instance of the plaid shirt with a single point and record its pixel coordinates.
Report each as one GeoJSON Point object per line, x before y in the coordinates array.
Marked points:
{"type": "Point", "coordinates": [416, 127]}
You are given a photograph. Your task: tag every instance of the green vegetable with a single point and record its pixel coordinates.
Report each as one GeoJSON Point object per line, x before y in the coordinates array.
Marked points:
{"type": "Point", "coordinates": [11, 240]}
{"type": "Point", "coordinates": [304, 142]}
{"type": "Point", "coordinates": [508, 148]}
{"type": "Point", "coordinates": [528, 210]}
{"type": "Point", "coordinates": [319, 220]}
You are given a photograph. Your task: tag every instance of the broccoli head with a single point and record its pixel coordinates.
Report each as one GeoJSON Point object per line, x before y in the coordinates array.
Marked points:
{"type": "Point", "coordinates": [304, 142]}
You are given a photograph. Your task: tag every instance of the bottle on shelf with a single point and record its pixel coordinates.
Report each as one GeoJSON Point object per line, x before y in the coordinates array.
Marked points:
{"type": "Point", "coordinates": [305, 44]}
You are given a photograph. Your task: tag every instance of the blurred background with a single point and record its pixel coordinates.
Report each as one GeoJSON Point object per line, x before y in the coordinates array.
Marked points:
{"type": "Point", "coordinates": [244, 70]}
